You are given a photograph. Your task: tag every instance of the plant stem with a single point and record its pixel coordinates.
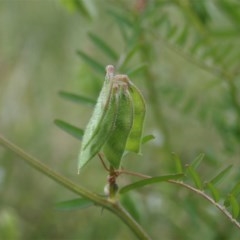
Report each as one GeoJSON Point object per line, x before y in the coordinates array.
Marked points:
{"type": "Point", "coordinates": [185, 5]}
{"type": "Point", "coordinates": [209, 199]}
{"type": "Point", "coordinates": [234, 96]}
{"type": "Point", "coordinates": [195, 190]}
{"type": "Point", "coordinates": [129, 221]}
{"type": "Point", "coordinates": [112, 206]}
{"type": "Point", "coordinates": [221, 73]}
{"type": "Point", "coordinates": [153, 95]}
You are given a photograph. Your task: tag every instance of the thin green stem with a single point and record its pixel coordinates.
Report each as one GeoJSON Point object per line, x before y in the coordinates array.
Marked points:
{"type": "Point", "coordinates": [185, 5]}
{"type": "Point", "coordinates": [209, 199]}
{"type": "Point", "coordinates": [136, 174]}
{"type": "Point", "coordinates": [153, 95]}
{"type": "Point", "coordinates": [195, 190]}
{"type": "Point", "coordinates": [218, 72]}
{"type": "Point", "coordinates": [234, 96]}
{"type": "Point", "coordinates": [112, 206]}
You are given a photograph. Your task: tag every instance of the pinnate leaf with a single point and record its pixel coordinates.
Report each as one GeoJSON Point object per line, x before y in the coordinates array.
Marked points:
{"type": "Point", "coordinates": [77, 98]}
{"type": "Point", "coordinates": [219, 177]}
{"type": "Point", "coordinates": [236, 189]}
{"type": "Point", "coordinates": [149, 181]}
{"type": "Point", "coordinates": [130, 205]}
{"type": "Point", "coordinates": [73, 204]}
{"type": "Point", "coordinates": [129, 55]}
{"type": "Point", "coordinates": [196, 162]}
{"type": "Point", "coordinates": [91, 62]}
{"type": "Point", "coordinates": [137, 69]}
{"type": "Point", "coordinates": [234, 205]}
{"type": "Point", "coordinates": [79, 5]}
{"type": "Point", "coordinates": [214, 192]}
{"type": "Point", "coordinates": [178, 163]}
{"type": "Point", "coordinates": [72, 130]}
{"type": "Point", "coordinates": [104, 46]}
{"type": "Point", "coordinates": [147, 138]}
{"type": "Point", "coordinates": [195, 177]}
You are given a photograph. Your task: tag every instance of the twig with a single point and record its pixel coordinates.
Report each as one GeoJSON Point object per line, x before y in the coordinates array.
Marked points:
{"type": "Point", "coordinates": [209, 199]}
{"type": "Point", "coordinates": [112, 206]}
{"type": "Point", "coordinates": [219, 72]}
{"type": "Point", "coordinates": [103, 163]}
{"type": "Point", "coordinates": [195, 190]}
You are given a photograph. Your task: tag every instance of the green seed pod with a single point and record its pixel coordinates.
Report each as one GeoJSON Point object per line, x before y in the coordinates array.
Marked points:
{"type": "Point", "coordinates": [116, 123]}
{"type": "Point", "coordinates": [100, 124]}
{"type": "Point", "coordinates": [99, 113]}
{"type": "Point", "coordinates": [135, 136]}
{"type": "Point", "coordinates": [115, 146]}
{"type": "Point", "coordinates": [102, 133]}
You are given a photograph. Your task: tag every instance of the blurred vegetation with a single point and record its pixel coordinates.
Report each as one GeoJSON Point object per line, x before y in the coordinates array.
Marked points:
{"type": "Point", "coordinates": [183, 55]}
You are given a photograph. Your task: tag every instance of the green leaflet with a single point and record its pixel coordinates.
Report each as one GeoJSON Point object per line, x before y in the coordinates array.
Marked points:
{"type": "Point", "coordinates": [234, 205]}
{"type": "Point", "coordinates": [148, 181]}
{"type": "Point", "coordinates": [135, 137]}
{"type": "Point", "coordinates": [72, 130]}
{"type": "Point", "coordinates": [116, 123]}
{"type": "Point", "coordinates": [73, 204]}
{"type": "Point", "coordinates": [214, 192]}
{"type": "Point", "coordinates": [115, 145]}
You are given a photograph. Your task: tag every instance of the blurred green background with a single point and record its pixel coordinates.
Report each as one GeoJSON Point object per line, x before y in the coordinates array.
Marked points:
{"type": "Point", "coordinates": [38, 44]}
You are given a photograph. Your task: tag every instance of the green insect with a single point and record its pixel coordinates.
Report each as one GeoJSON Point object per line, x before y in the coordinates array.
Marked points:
{"type": "Point", "coordinates": [116, 123]}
